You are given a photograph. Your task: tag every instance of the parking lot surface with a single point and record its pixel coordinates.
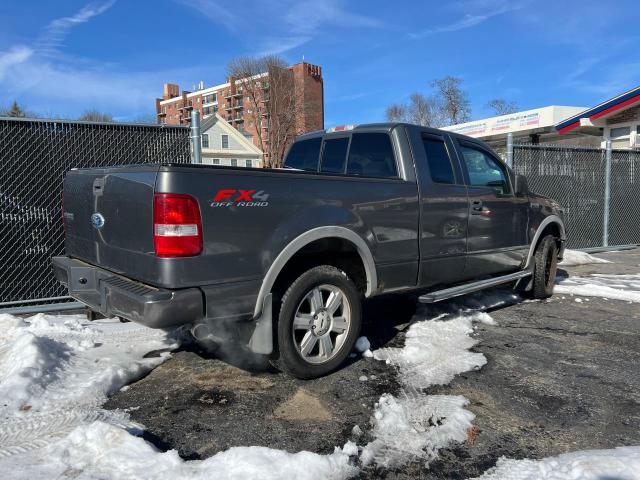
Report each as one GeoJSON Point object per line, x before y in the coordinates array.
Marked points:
{"type": "Point", "coordinates": [562, 375]}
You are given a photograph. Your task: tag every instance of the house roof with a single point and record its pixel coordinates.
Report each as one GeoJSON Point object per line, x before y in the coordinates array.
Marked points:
{"type": "Point", "coordinates": [214, 119]}
{"type": "Point", "coordinates": [603, 110]}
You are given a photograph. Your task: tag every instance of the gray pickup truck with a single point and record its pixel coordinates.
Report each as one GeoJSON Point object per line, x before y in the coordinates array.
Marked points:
{"type": "Point", "coordinates": [278, 261]}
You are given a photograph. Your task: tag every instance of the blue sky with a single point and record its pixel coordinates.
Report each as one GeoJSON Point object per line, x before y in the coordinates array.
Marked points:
{"type": "Point", "coordinates": [62, 57]}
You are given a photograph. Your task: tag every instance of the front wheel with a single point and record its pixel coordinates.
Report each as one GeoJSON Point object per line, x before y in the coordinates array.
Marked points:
{"type": "Point", "coordinates": [319, 322]}
{"type": "Point", "coordinates": [545, 268]}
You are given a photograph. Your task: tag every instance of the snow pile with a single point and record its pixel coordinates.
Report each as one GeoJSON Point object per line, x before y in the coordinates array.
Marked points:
{"type": "Point", "coordinates": [56, 371]}
{"type": "Point", "coordinates": [362, 344]}
{"type": "Point", "coordinates": [437, 348]}
{"type": "Point", "coordinates": [615, 287]}
{"type": "Point", "coordinates": [100, 450]}
{"type": "Point", "coordinates": [622, 463]}
{"type": "Point", "coordinates": [415, 428]}
{"type": "Point", "coordinates": [573, 258]}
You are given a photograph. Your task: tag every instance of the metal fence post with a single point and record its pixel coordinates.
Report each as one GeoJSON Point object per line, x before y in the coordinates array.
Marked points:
{"type": "Point", "coordinates": [510, 149]}
{"type": "Point", "coordinates": [607, 194]}
{"type": "Point", "coordinates": [196, 141]}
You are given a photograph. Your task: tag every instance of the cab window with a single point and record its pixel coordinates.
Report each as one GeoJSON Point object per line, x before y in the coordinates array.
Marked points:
{"type": "Point", "coordinates": [371, 155]}
{"type": "Point", "coordinates": [484, 170]}
{"type": "Point", "coordinates": [304, 155]}
{"type": "Point", "coordinates": [334, 155]}
{"type": "Point", "coordinates": [438, 159]}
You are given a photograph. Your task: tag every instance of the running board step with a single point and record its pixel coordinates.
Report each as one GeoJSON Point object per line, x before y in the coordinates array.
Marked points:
{"type": "Point", "coordinates": [447, 293]}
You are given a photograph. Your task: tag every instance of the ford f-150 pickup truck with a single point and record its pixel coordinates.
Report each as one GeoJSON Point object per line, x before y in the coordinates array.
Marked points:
{"type": "Point", "coordinates": [279, 260]}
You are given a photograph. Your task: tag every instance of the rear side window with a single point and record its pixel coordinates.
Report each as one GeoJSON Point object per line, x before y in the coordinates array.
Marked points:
{"type": "Point", "coordinates": [438, 160]}
{"type": "Point", "coordinates": [334, 155]}
{"type": "Point", "coordinates": [371, 155]}
{"type": "Point", "coordinates": [304, 155]}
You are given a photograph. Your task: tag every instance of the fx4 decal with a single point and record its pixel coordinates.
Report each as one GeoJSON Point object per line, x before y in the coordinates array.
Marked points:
{"type": "Point", "coordinates": [230, 197]}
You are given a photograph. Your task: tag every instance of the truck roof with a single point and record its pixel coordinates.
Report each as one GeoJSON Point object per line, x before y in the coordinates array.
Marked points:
{"type": "Point", "coordinates": [382, 126]}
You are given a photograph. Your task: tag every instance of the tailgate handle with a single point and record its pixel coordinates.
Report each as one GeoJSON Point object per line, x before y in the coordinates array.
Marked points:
{"type": "Point", "coordinates": [98, 186]}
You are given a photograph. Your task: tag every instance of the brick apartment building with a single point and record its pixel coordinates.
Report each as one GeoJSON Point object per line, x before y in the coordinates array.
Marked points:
{"type": "Point", "coordinates": [232, 103]}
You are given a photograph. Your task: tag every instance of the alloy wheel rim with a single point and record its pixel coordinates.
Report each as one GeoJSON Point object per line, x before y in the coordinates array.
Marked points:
{"type": "Point", "coordinates": [321, 323]}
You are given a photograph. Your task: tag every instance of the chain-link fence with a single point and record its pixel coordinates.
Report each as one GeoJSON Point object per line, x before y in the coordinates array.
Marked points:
{"type": "Point", "coordinates": [577, 179]}
{"type": "Point", "coordinates": [34, 156]}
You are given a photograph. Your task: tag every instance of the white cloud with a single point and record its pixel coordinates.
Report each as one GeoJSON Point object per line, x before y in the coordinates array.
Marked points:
{"type": "Point", "coordinates": [489, 9]}
{"type": "Point", "coordinates": [12, 57]}
{"type": "Point", "coordinates": [277, 26]}
{"type": "Point", "coordinates": [61, 85]}
{"type": "Point", "coordinates": [54, 34]}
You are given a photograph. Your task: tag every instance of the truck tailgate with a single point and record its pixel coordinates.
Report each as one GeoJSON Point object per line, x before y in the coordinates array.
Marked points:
{"type": "Point", "coordinates": [108, 215]}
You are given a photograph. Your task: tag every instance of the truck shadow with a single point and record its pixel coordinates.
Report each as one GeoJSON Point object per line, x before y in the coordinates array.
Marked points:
{"type": "Point", "coordinates": [384, 317]}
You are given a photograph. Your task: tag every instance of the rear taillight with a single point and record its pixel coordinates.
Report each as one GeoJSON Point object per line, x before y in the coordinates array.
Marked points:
{"type": "Point", "coordinates": [177, 227]}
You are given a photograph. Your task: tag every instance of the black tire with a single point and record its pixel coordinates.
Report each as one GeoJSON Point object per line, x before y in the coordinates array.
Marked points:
{"type": "Point", "coordinates": [291, 359]}
{"type": "Point", "coordinates": [545, 268]}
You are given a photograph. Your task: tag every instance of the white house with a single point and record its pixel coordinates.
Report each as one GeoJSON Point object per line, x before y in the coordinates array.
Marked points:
{"type": "Point", "coordinates": [224, 145]}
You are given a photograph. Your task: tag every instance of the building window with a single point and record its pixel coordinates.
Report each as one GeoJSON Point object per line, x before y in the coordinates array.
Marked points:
{"type": "Point", "coordinates": [234, 162]}
{"type": "Point", "coordinates": [216, 161]}
{"type": "Point", "coordinates": [225, 141]}
{"type": "Point", "coordinates": [620, 137]}
{"type": "Point", "coordinates": [205, 140]}
{"type": "Point", "coordinates": [211, 98]}
{"type": "Point", "coordinates": [248, 163]}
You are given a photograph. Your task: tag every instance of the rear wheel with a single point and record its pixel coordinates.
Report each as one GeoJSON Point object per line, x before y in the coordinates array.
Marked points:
{"type": "Point", "coordinates": [319, 322]}
{"type": "Point", "coordinates": [545, 268]}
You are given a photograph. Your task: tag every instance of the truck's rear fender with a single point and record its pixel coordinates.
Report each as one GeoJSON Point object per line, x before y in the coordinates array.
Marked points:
{"type": "Point", "coordinates": [289, 251]}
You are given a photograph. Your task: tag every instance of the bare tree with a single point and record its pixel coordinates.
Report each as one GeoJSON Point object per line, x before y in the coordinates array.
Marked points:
{"type": "Point", "coordinates": [501, 106]}
{"type": "Point", "coordinates": [275, 105]}
{"type": "Point", "coordinates": [420, 110]}
{"type": "Point", "coordinates": [397, 113]}
{"type": "Point", "coordinates": [448, 105]}
{"type": "Point", "coordinates": [94, 115]}
{"type": "Point", "coordinates": [455, 106]}
{"type": "Point", "coordinates": [14, 111]}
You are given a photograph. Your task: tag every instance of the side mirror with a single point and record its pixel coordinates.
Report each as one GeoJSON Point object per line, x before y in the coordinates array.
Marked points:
{"type": "Point", "coordinates": [521, 187]}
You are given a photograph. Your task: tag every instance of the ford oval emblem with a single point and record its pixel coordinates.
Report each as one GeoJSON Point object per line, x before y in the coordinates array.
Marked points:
{"type": "Point", "coordinates": [97, 220]}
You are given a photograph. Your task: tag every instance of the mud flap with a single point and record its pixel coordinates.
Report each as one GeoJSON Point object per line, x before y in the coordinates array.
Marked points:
{"type": "Point", "coordinates": [261, 340]}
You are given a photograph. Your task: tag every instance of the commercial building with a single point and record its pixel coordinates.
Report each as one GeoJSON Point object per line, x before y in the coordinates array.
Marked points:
{"type": "Point", "coordinates": [530, 126]}
{"type": "Point", "coordinates": [233, 103]}
{"type": "Point", "coordinates": [616, 119]}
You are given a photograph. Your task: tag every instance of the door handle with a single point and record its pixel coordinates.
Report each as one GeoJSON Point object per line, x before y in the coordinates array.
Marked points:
{"type": "Point", "coordinates": [477, 208]}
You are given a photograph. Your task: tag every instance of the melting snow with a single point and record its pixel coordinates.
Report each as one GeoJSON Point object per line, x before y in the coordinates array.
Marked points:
{"type": "Point", "coordinates": [615, 287]}
{"type": "Point", "coordinates": [437, 348]}
{"type": "Point", "coordinates": [99, 451]}
{"type": "Point", "coordinates": [362, 344]}
{"type": "Point", "coordinates": [55, 373]}
{"type": "Point", "coordinates": [576, 257]}
{"type": "Point", "coordinates": [622, 463]}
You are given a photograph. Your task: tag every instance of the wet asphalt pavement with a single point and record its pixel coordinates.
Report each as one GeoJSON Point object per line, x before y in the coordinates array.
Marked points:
{"type": "Point", "coordinates": [561, 376]}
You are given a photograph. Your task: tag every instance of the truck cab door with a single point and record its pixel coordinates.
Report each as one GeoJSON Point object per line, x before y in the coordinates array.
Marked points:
{"type": "Point", "coordinates": [498, 219]}
{"type": "Point", "coordinates": [444, 210]}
